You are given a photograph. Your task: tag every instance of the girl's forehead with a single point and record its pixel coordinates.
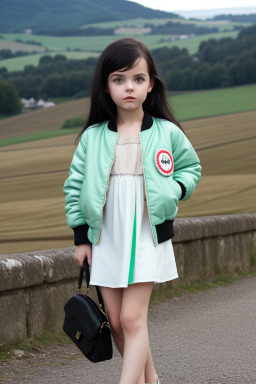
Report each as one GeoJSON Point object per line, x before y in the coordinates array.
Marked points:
{"type": "Point", "coordinates": [139, 66]}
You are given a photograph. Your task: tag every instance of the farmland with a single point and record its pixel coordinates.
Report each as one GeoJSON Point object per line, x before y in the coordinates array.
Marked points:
{"type": "Point", "coordinates": [92, 45]}
{"type": "Point", "coordinates": [187, 106]}
{"type": "Point", "coordinates": [33, 174]}
{"type": "Point", "coordinates": [18, 64]}
{"type": "Point", "coordinates": [42, 120]}
{"type": "Point", "coordinates": [15, 46]}
{"type": "Point", "coordinates": [215, 102]}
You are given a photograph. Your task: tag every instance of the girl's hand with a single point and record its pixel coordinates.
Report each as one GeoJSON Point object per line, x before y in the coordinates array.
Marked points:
{"type": "Point", "coordinates": [82, 251]}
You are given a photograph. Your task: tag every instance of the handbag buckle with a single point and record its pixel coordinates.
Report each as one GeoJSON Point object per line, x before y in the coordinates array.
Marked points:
{"type": "Point", "coordinates": [78, 335]}
{"type": "Point", "coordinates": [102, 325]}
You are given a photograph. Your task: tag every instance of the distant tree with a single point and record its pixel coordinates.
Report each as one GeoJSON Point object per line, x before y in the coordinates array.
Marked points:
{"type": "Point", "coordinates": [46, 59]}
{"type": "Point", "coordinates": [60, 58]}
{"type": "Point", "coordinates": [3, 72]}
{"type": "Point", "coordinates": [219, 76]}
{"type": "Point", "coordinates": [203, 76]}
{"type": "Point", "coordinates": [5, 54]}
{"type": "Point", "coordinates": [9, 99]}
{"type": "Point", "coordinates": [20, 84]}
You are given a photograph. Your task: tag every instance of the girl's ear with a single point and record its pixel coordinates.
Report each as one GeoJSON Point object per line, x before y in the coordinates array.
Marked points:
{"type": "Point", "coordinates": [151, 85]}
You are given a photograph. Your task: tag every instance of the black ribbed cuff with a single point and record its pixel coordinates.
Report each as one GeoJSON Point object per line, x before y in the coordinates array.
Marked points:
{"type": "Point", "coordinates": [183, 188]}
{"type": "Point", "coordinates": [80, 234]}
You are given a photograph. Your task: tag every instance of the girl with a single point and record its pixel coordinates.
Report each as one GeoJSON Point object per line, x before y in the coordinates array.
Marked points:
{"type": "Point", "coordinates": [132, 165]}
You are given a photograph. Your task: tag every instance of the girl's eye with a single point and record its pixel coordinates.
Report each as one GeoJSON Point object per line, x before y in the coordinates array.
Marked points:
{"type": "Point", "coordinates": [118, 81]}
{"type": "Point", "coordinates": [139, 79]}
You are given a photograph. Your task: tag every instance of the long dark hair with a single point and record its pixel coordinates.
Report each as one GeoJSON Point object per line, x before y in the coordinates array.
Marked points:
{"type": "Point", "coordinates": [121, 55]}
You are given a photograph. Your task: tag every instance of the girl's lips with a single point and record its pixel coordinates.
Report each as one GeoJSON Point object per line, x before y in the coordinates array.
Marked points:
{"type": "Point", "coordinates": [130, 98]}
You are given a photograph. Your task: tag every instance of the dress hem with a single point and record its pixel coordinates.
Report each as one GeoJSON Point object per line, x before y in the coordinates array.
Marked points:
{"type": "Point", "coordinates": [156, 281]}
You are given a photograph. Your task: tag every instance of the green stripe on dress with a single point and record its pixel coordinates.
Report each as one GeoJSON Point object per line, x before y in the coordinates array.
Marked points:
{"type": "Point", "coordinates": [132, 261]}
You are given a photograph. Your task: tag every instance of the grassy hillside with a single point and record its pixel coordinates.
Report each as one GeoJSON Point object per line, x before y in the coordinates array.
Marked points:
{"type": "Point", "coordinates": [33, 174]}
{"type": "Point", "coordinates": [46, 122]}
{"type": "Point", "coordinates": [214, 102]}
{"type": "Point", "coordinates": [19, 63]}
{"type": "Point", "coordinates": [98, 43]}
{"type": "Point", "coordinates": [54, 14]}
{"type": "Point", "coordinates": [140, 23]}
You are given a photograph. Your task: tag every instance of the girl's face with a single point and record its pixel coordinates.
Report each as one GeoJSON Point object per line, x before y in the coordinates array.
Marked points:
{"type": "Point", "coordinates": [129, 89]}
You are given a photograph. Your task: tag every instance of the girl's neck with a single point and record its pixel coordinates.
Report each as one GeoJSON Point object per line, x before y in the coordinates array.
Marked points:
{"type": "Point", "coordinates": [129, 122]}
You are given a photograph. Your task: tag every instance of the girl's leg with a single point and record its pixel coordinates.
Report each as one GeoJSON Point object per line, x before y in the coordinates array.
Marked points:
{"type": "Point", "coordinates": [113, 302]}
{"type": "Point", "coordinates": [112, 298]}
{"type": "Point", "coordinates": [134, 313]}
{"type": "Point", "coordinates": [150, 372]}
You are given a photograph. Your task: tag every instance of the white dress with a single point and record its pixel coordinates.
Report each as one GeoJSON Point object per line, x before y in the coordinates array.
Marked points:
{"type": "Point", "coordinates": [126, 253]}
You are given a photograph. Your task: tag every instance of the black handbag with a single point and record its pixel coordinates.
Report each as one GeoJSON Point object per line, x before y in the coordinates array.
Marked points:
{"type": "Point", "coordinates": [86, 322]}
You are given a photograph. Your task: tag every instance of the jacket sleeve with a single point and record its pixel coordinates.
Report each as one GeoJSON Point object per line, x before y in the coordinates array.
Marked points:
{"type": "Point", "coordinates": [187, 168]}
{"type": "Point", "coordinates": [72, 188]}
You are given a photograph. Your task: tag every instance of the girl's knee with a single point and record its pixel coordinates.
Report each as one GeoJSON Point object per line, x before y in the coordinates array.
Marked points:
{"type": "Point", "coordinates": [131, 323]}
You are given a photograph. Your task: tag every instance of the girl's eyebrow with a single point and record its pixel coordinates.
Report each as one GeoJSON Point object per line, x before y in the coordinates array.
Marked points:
{"type": "Point", "coordinates": [120, 75]}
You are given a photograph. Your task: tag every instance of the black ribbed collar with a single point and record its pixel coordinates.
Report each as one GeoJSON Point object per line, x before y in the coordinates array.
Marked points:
{"type": "Point", "coordinates": [147, 123]}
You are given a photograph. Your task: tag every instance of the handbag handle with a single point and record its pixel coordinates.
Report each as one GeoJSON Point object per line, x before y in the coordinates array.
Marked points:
{"type": "Point", "coordinates": [85, 270]}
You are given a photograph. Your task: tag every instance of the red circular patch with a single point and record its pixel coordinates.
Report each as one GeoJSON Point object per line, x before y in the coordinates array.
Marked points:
{"type": "Point", "coordinates": [164, 162]}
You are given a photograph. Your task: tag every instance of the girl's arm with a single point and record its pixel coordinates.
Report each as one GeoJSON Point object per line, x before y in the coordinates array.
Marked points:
{"type": "Point", "coordinates": [72, 189]}
{"type": "Point", "coordinates": [187, 168]}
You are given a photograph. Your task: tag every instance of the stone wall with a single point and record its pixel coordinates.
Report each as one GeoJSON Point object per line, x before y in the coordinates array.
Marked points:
{"type": "Point", "coordinates": [35, 286]}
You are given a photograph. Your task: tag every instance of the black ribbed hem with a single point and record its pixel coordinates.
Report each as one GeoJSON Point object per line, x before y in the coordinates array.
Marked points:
{"type": "Point", "coordinates": [80, 234]}
{"type": "Point", "coordinates": [165, 231]}
{"type": "Point", "coordinates": [184, 189]}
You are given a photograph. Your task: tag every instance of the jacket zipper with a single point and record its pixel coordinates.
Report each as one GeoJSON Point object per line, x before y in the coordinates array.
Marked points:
{"type": "Point", "coordinates": [146, 193]}
{"type": "Point", "coordinates": [98, 240]}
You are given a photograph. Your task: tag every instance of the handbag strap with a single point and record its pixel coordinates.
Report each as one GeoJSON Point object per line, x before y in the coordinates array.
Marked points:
{"type": "Point", "coordinates": [84, 270]}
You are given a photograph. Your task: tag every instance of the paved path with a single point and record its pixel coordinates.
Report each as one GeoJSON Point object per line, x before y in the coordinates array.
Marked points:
{"type": "Point", "coordinates": [207, 337]}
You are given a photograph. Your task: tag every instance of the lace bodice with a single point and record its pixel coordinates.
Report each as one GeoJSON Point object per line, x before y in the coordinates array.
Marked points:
{"type": "Point", "coordinates": [128, 157]}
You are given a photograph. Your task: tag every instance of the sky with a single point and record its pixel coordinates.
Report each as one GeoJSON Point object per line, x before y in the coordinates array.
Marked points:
{"type": "Point", "coordinates": [168, 5]}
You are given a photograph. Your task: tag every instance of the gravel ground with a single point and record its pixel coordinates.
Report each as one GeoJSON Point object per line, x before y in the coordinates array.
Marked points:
{"type": "Point", "coordinates": [207, 337]}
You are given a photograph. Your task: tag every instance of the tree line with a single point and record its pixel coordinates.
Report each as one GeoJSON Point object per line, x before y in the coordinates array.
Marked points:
{"type": "Point", "coordinates": [218, 63]}
{"type": "Point", "coordinates": [169, 28]}
{"type": "Point", "coordinates": [88, 31]}
{"type": "Point", "coordinates": [8, 54]}
{"type": "Point", "coordinates": [176, 28]}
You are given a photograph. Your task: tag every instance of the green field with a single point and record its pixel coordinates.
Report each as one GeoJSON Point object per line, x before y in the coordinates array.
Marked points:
{"type": "Point", "coordinates": [140, 23]}
{"type": "Point", "coordinates": [191, 44]}
{"type": "Point", "coordinates": [98, 43]}
{"type": "Point", "coordinates": [194, 105]}
{"type": "Point", "coordinates": [19, 63]}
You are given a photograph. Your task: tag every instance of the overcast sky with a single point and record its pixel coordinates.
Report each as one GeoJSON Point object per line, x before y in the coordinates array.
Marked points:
{"type": "Point", "coordinates": [168, 5]}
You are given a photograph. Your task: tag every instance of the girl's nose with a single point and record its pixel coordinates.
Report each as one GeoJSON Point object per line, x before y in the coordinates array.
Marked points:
{"type": "Point", "coordinates": [129, 86]}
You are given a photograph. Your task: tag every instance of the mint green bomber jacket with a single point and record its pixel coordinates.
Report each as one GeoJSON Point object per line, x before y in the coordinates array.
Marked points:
{"type": "Point", "coordinates": [171, 168]}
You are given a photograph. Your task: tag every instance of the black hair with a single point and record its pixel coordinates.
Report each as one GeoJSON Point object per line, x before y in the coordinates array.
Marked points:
{"type": "Point", "coordinates": [122, 55]}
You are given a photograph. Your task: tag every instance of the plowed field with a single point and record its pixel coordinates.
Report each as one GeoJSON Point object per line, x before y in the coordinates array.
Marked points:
{"type": "Point", "coordinates": [32, 176]}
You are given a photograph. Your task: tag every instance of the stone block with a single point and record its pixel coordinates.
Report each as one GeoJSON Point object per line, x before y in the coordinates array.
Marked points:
{"type": "Point", "coordinates": [179, 252]}
{"type": "Point", "coordinates": [209, 249]}
{"type": "Point", "coordinates": [46, 306]}
{"type": "Point", "coordinates": [58, 264]}
{"type": "Point", "coordinates": [187, 229]}
{"type": "Point", "coordinates": [210, 226]}
{"type": "Point", "coordinates": [46, 303]}
{"type": "Point", "coordinates": [19, 271]}
{"type": "Point", "coordinates": [13, 317]}
{"type": "Point", "coordinates": [193, 261]}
